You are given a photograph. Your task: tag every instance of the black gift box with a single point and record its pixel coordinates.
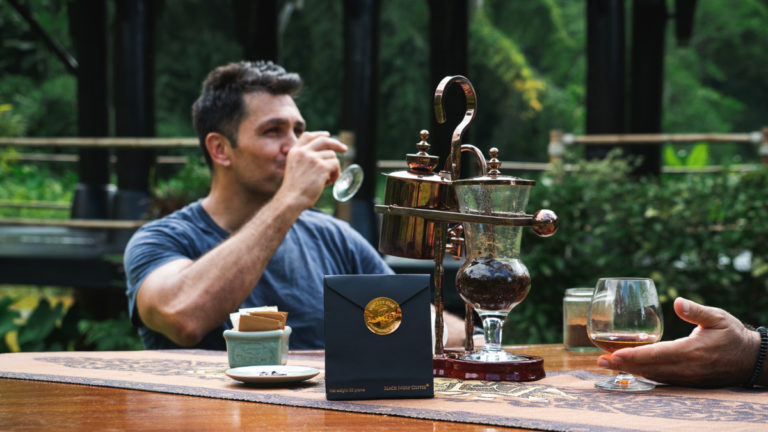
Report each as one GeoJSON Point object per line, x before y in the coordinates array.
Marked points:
{"type": "Point", "coordinates": [369, 353]}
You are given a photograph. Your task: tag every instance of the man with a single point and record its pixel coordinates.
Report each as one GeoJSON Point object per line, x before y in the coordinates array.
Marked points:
{"type": "Point", "coordinates": [719, 352]}
{"type": "Point", "coordinates": [253, 240]}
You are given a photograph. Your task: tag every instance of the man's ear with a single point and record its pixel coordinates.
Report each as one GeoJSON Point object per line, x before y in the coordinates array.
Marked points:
{"type": "Point", "coordinates": [219, 148]}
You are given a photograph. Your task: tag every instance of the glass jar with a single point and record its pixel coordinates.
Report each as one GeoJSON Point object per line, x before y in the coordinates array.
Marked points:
{"type": "Point", "coordinates": [575, 306]}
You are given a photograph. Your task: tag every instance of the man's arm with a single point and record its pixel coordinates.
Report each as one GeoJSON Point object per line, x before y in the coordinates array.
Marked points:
{"type": "Point", "coordinates": [719, 352]}
{"type": "Point", "coordinates": [454, 326]}
{"type": "Point", "coordinates": [185, 299]}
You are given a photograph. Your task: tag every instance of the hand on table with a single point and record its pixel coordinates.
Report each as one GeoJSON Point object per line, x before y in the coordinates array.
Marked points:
{"type": "Point", "coordinates": [720, 351]}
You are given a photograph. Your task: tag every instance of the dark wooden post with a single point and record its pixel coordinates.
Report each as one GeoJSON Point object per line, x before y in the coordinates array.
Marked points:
{"type": "Point", "coordinates": [256, 28]}
{"type": "Point", "coordinates": [88, 28]}
{"type": "Point", "coordinates": [649, 19]}
{"type": "Point", "coordinates": [605, 71]}
{"type": "Point", "coordinates": [684, 12]}
{"type": "Point", "coordinates": [134, 103]}
{"type": "Point", "coordinates": [361, 51]}
{"type": "Point", "coordinates": [448, 55]}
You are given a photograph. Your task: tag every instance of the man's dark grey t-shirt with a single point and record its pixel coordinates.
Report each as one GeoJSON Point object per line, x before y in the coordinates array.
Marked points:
{"type": "Point", "coordinates": [316, 245]}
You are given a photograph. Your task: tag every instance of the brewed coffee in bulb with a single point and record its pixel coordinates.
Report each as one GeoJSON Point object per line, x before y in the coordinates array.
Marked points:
{"type": "Point", "coordinates": [491, 284]}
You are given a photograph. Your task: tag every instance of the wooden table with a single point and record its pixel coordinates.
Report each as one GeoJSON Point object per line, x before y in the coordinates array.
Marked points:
{"type": "Point", "coordinates": [35, 405]}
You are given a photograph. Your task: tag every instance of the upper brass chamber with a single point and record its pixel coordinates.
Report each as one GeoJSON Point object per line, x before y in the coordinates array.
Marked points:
{"type": "Point", "coordinates": [421, 188]}
{"type": "Point", "coordinates": [417, 201]}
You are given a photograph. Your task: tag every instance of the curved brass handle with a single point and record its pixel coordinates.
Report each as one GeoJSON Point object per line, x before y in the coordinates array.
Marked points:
{"type": "Point", "coordinates": [479, 155]}
{"type": "Point", "coordinates": [454, 160]}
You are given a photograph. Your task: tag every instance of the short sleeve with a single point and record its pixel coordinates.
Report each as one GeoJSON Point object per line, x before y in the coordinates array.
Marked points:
{"type": "Point", "coordinates": [150, 247]}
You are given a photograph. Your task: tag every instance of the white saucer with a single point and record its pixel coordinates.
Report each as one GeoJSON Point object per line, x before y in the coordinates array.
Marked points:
{"type": "Point", "coordinates": [271, 374]}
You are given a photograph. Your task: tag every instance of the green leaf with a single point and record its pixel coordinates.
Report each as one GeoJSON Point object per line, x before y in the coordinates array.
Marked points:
{"type": "Point", "coordinates": [760, 270]}
{"type": "Point", "coordinates": [39, 325]}
{"type": "Point", "coordinates": [7, 316]}
{"type": "Point", "coordinates": [110, 334]}
{"type": "Point", "coordinates": [651, 212]}
{"type": "Point", "coordinates": [699, 156]}
{"type": "Point", "coordinates": [670, 157]}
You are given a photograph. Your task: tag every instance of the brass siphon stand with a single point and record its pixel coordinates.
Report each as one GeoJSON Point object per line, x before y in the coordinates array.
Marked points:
{"type": "Point", "coordinates": [420, 204]}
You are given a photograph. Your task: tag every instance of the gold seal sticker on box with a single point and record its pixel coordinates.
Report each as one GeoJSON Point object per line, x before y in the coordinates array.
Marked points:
{"type": "Point", "coordinates": [382, 315]}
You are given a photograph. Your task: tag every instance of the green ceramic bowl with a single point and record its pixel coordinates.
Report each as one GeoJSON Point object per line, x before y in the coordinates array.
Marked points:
{"type": "Point", "coordinates": [257, 348]}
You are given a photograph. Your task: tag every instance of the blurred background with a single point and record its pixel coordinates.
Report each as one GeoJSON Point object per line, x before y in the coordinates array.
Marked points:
{"type": "Point", "coordinates": [691, 216]}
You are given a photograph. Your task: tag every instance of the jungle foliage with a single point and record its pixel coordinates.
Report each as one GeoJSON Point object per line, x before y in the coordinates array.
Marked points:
{"type": "Point", "coordinates": [700, 236]}
{"type": "Point", "coordinates": [696, 235]}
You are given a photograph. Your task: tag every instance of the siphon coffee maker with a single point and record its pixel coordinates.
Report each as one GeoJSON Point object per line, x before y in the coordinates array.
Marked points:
{"type": "Point", "coordinates": [426, 214]}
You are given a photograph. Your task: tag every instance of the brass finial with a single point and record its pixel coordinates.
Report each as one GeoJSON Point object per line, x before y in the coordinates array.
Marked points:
{"type": "Point", "coordinates": [423, 146]}
{"type": "Point", "coordinates": [494, 163]}
{"type": "Point", "coordinates": [422, 162]}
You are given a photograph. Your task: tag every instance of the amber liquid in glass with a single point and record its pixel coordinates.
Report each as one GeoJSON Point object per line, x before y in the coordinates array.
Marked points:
{"type": "Point", "coordinates": [491, 284]}
{"type": "Point", "coordinates": [613, 342]}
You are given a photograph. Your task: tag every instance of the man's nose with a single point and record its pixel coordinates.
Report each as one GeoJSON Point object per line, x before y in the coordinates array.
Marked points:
{"type": "Point", "coordinates": [289, 142]}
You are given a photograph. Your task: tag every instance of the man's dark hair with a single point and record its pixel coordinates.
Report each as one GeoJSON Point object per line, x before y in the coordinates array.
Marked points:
{"type": "Point", "coordinates": [220, 107]}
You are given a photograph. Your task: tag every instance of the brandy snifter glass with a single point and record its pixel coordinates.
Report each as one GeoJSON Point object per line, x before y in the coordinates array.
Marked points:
{"type": "Point", "coordinates": [624, 313]}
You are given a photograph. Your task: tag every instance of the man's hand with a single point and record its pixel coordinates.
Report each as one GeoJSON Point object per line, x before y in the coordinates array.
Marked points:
{"type": "Point", "coordinates": [719, 352]}
{"type": "Point", "coordinates": [311, 165]}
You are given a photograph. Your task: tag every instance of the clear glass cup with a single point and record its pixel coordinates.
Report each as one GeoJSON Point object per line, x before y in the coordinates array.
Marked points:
{"type": "Point", "coordinates": [348, 183]}
{"type": "Point", "coordinates": [624, 313]}
{"type": "Point", "coordinates": [351, 175]}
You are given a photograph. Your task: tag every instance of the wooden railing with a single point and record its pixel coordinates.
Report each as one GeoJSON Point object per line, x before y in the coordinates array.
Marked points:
{"type": "Point", "coordinates": [103, 142]}
{"type": "Point", "coordinates": [73, 158]}
{"type": "Point", "coordinates": [559, 141]}
{"type": "Point", "coordinates": [84, 142]}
